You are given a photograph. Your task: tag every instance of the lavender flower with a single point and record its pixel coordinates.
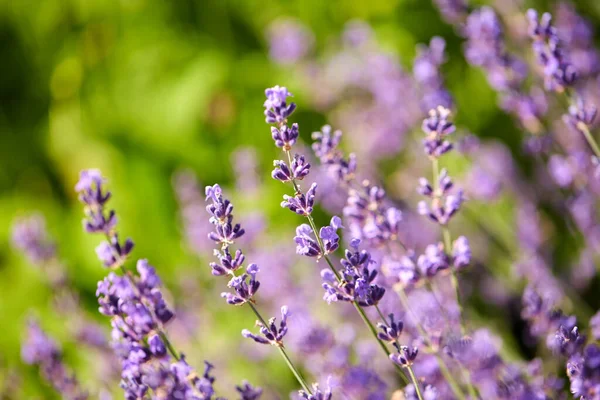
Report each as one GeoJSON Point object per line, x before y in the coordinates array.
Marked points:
{"type": "Point", "coordinates": [40, 350]}
{"type": "Point", "coordinates": [277, 111]}
{"type": "Point", "coordinates": [306, 244]}
{"type": "Point", "coordinates": [583, 371]}
{"type": "Point", "coordinates": [453, 11]}
{"type": "Point", "coordinates": [426, 70]}
{"type": "Point", "coordinates": [325, 146]}
{"type": "Point", "coordinates": [437, 127]}
{"type": "Point", "coordinates": [289, 41]}
{"type": "Point", "coordinates": [405, 357]}
{"type": "Point", "coordinates": [221, 217]}
{"type": "Point", "coordinates": [329, 236]}
{"type": "Point", "coordinates": [356, 284]}
{"type": "Point", "coordinates": [269, 332]}
{"type": "Point", "coordinates": [30, 237]}
{"type": "Point", "coordinates": [248, 392]}
{"type": "Point", "coordinates": [138, 311]}
{"type": "Point", "coordinates": [580, 116]}
{"type": "Point", "coordinates": [245, 287]}
{"type": "Point", "coordinates": [461, 252]}
{"type": "Point", "coordinates": [317, 393]}
{"type": "Point", "coordinates": [301, 203]}
{"type": "Point", "coordinates": [298, 171]}
{"type": "Point", "coordinates": [559, 73]}
{"type": "Point", "coordinates": [390, 333]}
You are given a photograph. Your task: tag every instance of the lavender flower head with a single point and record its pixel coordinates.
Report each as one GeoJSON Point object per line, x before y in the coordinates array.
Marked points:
{"type": "Point", "coordinates": [276, 108]}
{"type": "Point", "coordinates": [559, 73]}
{"type": "Point", "coordinates": [41, 350]}
{"type": "Point", "coordinates": [112, 253]}
{"type": "Point", "coordinates": [356, 283]}
{"type": "Point", "coordinates": [221, 217]}
{"type": "Point", "coordinates": [289, 41]}
{"type": "Point", "coordinates": [437, 127]}
{"type": "Point", "coordinates": [30, 237]}
{"type": "Point", "coordinates": [270, 333]}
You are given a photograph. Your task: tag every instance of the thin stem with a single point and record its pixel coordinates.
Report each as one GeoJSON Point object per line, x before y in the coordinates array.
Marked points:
{"type": "Point", "coordinates": [359, 309]}
{"type": "Point", "coordinates": [442, 364]}
{"type": "Point", "coordinates": [285, 356]}
{"type": "Point", "coordinates": [170, 347]}
{"type": "Point", "coordinates": [413, 378]}
{"type": "Point", "coordinates": [448, 244]}
{"type": "Point", "coordinates": [590, 139]}
{"type": "Point", "coordinates": [465, 372]}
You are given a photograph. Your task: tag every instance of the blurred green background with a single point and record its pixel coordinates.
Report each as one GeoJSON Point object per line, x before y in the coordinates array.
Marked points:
{"type": "Point", "coordinates": [142, 88]}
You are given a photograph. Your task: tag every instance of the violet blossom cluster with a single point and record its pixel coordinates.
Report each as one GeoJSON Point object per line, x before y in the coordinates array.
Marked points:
{"type": "Point", "coordinates": [559, 73]}
{"type": "Point", "coordinates": [150, 367]}
{"type": "Point", "coordinates": [369, 215]}
{"type": "Point", "coordinates": [245, 285]}
{"type": "Point", "coordinates": [41, 350]}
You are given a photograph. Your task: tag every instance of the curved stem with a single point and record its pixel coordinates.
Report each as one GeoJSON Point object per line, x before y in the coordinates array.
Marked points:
{"type": "Point", "coordinates": [413, 378]}
{"type": "Point", "coordinates": [283, 353]}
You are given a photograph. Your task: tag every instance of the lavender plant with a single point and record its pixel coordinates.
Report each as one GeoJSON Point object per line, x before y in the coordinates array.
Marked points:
{"type": "Point", "coordinates": [150, 365]}
{"type": "Point", "coordinates": [245, 285]}
{"type": "Point", "coordinates": [355, 282]}
{"type": "Point", "coordinates": [402, 276]}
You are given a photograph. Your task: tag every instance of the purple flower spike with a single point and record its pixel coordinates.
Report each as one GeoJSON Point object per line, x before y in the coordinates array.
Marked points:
{"type": "Point", "coordinates": [306, 244]}
{"type": "Point", "coordinates": [437, 127]}
{"type": "Point", "coordinates": [221, 211]}
{"type": "Point", "coordinates": [329, 236]}
{"type": "Point", "coordinates": [405, 357]}
{"type": "Point", "coordinates": [285, 137]}
{"type": "Point", "coordinates": [245, 286]}
{"type": "Point", "coordinates": [433, 260]}
{"type": "Point", "coordinates": [92, 194]}
{"type": "Point", "coordinates": [390, 333]}
{"type": "Point", "coordinates": [461, 253]}
{"type": "Point", "coordinates": [317, 393]}
{"type": "Point", "coordinates": [248, 392]}
{"type": "Point", "coordinates": [270, 333]}
{"type": "Point", "coordinates": [228, 263]}
{"type": "Point", "coordinates": [357, 283]}
{"type": "Point", "coordinates": [559, 73]}
{"type": "Point", "coordinates": [30, 237]}
{"type": "Point", "coordinates": [580, 116]}
{"type": "Point", "coordinates": [276, 108]}
{"type": "Point", "coordinates": [301, 203]}
{"type": "Point", "coordinates": [41, 350]}
{"type": "Point", "coordinates": [113, 255]}
{"type": "Point", "coordinates": [299, 170]}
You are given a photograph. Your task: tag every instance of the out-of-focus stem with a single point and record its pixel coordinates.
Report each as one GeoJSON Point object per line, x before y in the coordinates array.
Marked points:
{"type": "Point", "coordinates": [442, 364]}
{"type": "Point", "coordinates": [413, 378]}
{"type": "Point", "coordinates": [448, 244]}
{"type": "Point", "coordinates": [589, 138]}
{"type": "Point", "coordinates": [283, 353]}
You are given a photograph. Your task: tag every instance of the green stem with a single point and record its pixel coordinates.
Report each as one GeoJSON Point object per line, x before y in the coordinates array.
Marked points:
{"type": "Point", "coordinates": [285, 356]}
{"type": "Point", "coordinates": [590, 139]}
{"type": "Point", "coordinates": [170, 347]}
{"type": "Point", "coordinates": [413, 378]}
{"type": "Point", "coordinates": [448, 244]}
